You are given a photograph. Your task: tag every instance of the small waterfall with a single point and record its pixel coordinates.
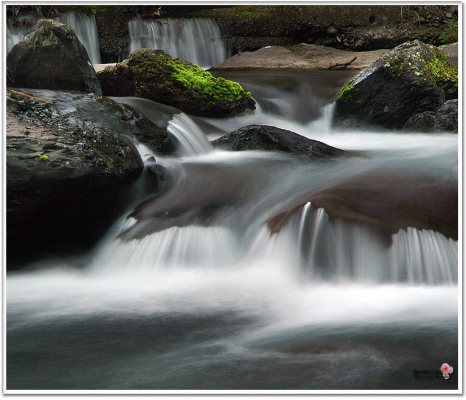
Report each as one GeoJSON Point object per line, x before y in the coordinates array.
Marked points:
{"type": "Point", "coordinates": [190, 136]}
{"type": "Point", "coordinates": [340, 251]}
{"type": "Point", "coordinates": [197, 40]}
{"type": "Point", "coordinates": [84, 26]}
{"type": "Point", "coordinates": [174, 247]}
{"type": "Point", "coordinates": [86, 31]}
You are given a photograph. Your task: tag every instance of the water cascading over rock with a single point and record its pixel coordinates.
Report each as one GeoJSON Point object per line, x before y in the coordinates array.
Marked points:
{"type": "Point", "coordinates": [197, 40]}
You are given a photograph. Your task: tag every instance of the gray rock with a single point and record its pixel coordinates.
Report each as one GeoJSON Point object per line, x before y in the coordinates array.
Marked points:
{"type": "Point", "coordinates": [53, 58]}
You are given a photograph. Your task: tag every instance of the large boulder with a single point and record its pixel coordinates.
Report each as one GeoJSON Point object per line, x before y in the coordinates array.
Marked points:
{"type": "Point", "coordinates": [157, 76]}
{"type": "Point", "coordinates": [53, 58]}
{"type": "Point", "coordinates": [70, 167]}
{"type": "Point", "coordinates": [412, 78]}
{"type": "Point", "coordinates": [263, 137]}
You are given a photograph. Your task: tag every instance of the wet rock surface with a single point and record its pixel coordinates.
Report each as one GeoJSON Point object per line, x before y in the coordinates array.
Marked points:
{"type": "Point", "coordinates": [263, 137]}
{"type": "Point", "coordinates": [70, 169]}
{"type": "Point", "coordinates": [445, 119]}
{"type": "Point", "coordinates": [412, 78]}
{"type": "Point", "coordinates": [53, 58]}
{"type": "Point", "coordinates": [385, 204]}
{"type": "Point", "coordinates": [155, 75]}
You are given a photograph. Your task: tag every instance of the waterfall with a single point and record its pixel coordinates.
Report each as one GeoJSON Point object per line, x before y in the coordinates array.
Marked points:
{"type": "Point", "coordinates": [86, 31]}
{"type": "Point", "coordinates": [197, 40]}
{"type": "Point", "coordinates": [338, 251]}
{"type": "Point", "coordinates": [191, 138]}
{"type": "Point", "coordinates": [84, 26]}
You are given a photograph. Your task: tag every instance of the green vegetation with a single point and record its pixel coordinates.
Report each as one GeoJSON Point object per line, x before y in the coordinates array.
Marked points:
{"type": "Point", "coordinates": [450, 34]}
{"type": "Point", "coordinates": [191, 76]}
{"type": "Point", "coordinates": [344, 94]}
{"type": "Point", "coordinates": [439, 70]}
{"type": "Point", "coordinates": [249, 12]}
{"type": "Point", "coordinates": [405, 12]}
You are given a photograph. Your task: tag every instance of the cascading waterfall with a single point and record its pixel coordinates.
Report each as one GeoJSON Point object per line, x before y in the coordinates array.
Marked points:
{"type": "Point", "coordinates": [197, 40]}
{"type": "Point", "coordinates": [339, 251]}
{"type": "Point", "coordinates": [86, 31]}
{"type": "Point", "coordinates": [191, 138]}
{"type": "Point", "coordinates": [84, 26]}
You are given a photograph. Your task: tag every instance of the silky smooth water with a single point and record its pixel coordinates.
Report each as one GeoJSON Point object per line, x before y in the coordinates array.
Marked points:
{"type": "Point", "coordinates": [197, 40]}
{"type": "Point", "coordinates": [219, 302]}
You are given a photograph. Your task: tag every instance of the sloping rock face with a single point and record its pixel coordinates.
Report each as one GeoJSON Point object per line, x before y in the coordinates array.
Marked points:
{"type": "Point", "coordinates": [412, 78]}
{"type": "Point", "coordinates": [70, 169]}
{"type": "Point", "coordinates": [53, 58]}
{"type": "Point", "coordinates": [385, 203]}
{"type": "Point", "coordinates": [155, 75]}
{"type": "Point", "coordinates": [263, 137]}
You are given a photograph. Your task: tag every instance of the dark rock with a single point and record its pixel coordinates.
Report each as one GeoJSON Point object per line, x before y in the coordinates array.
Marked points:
{"type": "Point", "coordinates": [410, 79]}
{"type": "Point", "coordinates": [447, 117]}
{"type": "Point", "coordinates": [386, 204]}
{"type": "Point", "coordinates": [157, 76]}
{"type": "Point", "coordinates": [113, 32]}
{"type": "Point", "coordinates": [421, 122]}
{"type": "Point", "coordinates": [444, 120]}
{"type": "Point", "coordinates": [263, 137]}
{"type": "Point", "coordinates": [53, 58]}
{"type": "Point", "coordinates": [69, 169]}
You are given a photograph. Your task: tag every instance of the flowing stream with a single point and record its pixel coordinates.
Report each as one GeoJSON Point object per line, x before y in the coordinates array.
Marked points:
{"type": "Point", "coordinates": [212, 300]}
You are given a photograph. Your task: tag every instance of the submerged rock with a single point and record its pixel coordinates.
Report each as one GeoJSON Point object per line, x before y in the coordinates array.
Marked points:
{"type": "Point", "coordinates": [263, 137]}
{"type": "Point", "coordinates": [385, 204]}
{"type": "Point", "coordinates": [53, 58]}
{"type": "Point", "coordinates": [412, 78]}
{"type": "Point", "coordinates": [69, 169]}
{"type": "Point", "coordinates": [157, 76]}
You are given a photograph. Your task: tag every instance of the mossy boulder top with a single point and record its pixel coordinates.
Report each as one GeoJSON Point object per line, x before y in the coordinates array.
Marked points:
{"type": "Point", "coordinates": [410, 79]}
{"type": "Point", "coordinates": [53, 58]}
{"type": "Point", "coordinates": [155, 75]}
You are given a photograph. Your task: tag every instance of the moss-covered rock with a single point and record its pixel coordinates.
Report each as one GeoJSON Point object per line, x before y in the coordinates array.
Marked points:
{"type": "Point", "coordinates": [157, 76]}
{"type": "Point", "coordinates": [412, 78]}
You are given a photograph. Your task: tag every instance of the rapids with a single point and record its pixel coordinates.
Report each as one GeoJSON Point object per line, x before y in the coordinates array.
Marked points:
{"type": "Point", "coordinates": [215, 301]}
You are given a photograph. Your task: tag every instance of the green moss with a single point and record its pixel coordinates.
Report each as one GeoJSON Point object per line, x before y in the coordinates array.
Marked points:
{"type": "Point", "coordinates": [344, 94]}
{"type": "Point", "coordinates": [43, 158]}
{"type": "Point", "coordinates": [249, 12]}
{"type": "Point", "coordinates": [396, 68]}
{"type": "Point", "coordinates": [203, 83]}
{"type": "Point", "coordinates": [440, 71]}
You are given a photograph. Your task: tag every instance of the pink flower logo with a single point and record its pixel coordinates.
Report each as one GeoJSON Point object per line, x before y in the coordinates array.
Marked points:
{"type": "Point", "coordinates": [446, 370]}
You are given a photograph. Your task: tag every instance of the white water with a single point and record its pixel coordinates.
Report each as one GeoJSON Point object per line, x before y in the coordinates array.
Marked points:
{"type": "Point", "coordinates": [84, 26]}
{"type": "Point", "coordinates": [314, 280]}
{"type": "Point", "coordinates": [197, 40]}
{"type": "Point", "coordinates": [191, 138]}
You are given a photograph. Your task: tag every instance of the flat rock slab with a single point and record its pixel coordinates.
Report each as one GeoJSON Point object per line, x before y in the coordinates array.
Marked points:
{"type": "Point", "coordinates": [101, 67]}
{"type": "Point", "coordinates": [301, 56]}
